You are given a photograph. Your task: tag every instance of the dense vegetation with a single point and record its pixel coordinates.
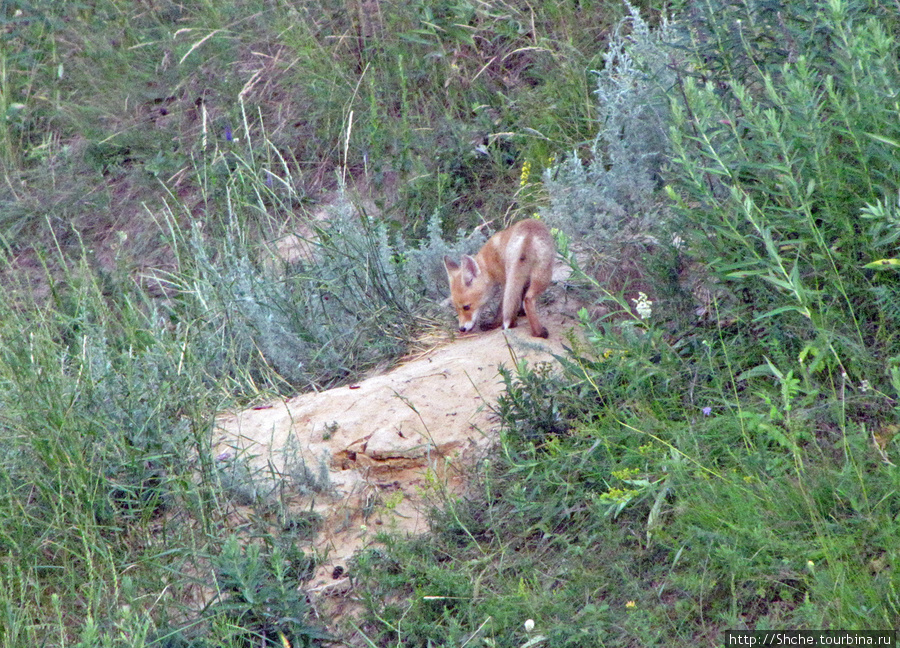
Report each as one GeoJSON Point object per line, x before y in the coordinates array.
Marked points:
{"type": "Point", "coordinates": [719, 449]}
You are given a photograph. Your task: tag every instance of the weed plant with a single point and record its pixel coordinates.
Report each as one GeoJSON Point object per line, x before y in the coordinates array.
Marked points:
{"type": "Point", "coordinates": [605, 199]}
{"type": "Point", "coordinates": [102, 434]}
{"type": "Point", "coordinates": [261, 592]}
{"type": "Point", "coordinates": [773, 205]}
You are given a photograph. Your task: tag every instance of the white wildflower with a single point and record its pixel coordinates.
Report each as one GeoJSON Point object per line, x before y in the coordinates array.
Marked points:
{"type": "Point", "coordinates": [643, 306]}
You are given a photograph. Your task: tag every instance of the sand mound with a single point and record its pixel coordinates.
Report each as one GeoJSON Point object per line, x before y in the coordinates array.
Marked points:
{"type": "Point", "coordinates": [387, 443]}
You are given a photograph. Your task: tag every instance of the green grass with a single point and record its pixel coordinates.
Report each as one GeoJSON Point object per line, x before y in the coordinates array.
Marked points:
{"type": "Point", "coordinates": [635, 518]}
{"type": "Point", "coordinates": [727, 458]}
{"type": "Point", "coordinates": [727, 462]}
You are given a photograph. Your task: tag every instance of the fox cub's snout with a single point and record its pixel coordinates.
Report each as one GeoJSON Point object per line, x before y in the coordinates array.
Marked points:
{"type": "Point", "coordinates": [520, 259]}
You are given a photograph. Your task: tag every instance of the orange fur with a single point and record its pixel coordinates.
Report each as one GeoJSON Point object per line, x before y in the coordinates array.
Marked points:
{"type": "Point", "coordinates": [520, 259]}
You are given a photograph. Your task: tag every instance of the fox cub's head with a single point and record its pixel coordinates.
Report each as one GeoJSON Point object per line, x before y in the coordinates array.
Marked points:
{"type": "Point", "coordinates": [469, 289]}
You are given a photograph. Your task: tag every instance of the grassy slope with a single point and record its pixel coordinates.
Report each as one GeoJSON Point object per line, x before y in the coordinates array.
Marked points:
{"type": "Point", "coordinates": [122, 325]}
{"type": "Point", "coordinates": [646, 522]}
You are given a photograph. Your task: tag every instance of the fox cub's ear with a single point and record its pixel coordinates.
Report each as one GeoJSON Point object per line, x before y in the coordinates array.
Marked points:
{"type": "Point", "coordinates": [450, 264]}
{"type": "Point", "coordinates": [470, 269]}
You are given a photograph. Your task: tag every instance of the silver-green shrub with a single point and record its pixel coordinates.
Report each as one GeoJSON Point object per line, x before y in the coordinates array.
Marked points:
{"type": "Point", "coordinates": [611, 197]}
{"type": "Point", "coordinates": [318, 321]}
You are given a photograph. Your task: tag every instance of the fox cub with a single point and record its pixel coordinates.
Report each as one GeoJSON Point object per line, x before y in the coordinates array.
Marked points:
{"type": "Point", "coordinates": [519, 259]}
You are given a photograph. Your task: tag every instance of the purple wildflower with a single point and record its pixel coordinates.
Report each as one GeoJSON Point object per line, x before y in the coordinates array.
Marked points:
{"type": "Point", "coordinates": [707, 411]}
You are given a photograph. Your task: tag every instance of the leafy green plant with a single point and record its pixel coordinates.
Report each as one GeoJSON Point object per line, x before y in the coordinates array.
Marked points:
{"type": "Point", "coordinates": [766, 194]}
{"type": "Point", "coordinates": [260, 593]}
{"type": "Point", "coordinates": [528, 405]}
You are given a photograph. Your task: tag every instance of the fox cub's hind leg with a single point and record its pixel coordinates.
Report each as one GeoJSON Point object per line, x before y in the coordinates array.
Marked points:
{"type": "Point", "coordinates": [537, 329]}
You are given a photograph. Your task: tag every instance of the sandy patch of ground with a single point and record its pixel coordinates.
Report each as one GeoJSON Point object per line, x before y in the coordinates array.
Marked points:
{"type": "Point", "coordinates": [391, 441]}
